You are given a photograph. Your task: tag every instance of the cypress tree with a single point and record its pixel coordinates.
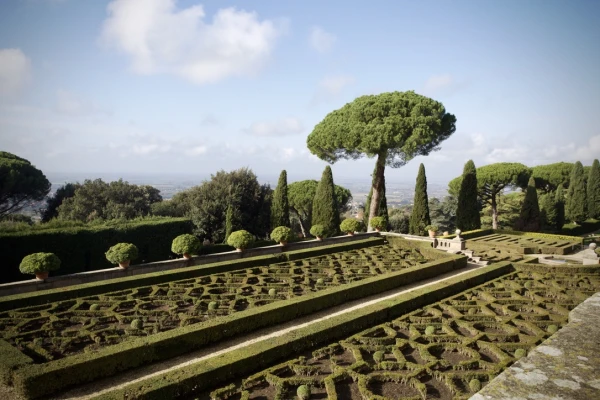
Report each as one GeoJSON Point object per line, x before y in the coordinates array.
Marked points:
{"type": "Point", "coordinates": [232, 220]}
{"type": "Point", "coordinates": [325, 210]}
{"type": "Point", "coordinates": [549, 211]}
{"type": "Point", "coordinates": [593, 191]}
{"type": "Point", "coordinates": [529, 219]}
{"type": "Point", "coordinates": [560, 207]}
{"type": "Point", "coordinates": [467, 211]}
{"type": "Point", "coordinates": [576, 198]}
{"type": "Point", "coordinates": [280, 208]}
{"type": "Point", "coordinates": [419, 218]}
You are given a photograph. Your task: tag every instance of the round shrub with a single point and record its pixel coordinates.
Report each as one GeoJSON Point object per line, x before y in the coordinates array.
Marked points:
{"type": "Point", "coordinates": [121, 252]}
{"type": "Point", "coordinates": [39, 262]}
{"type": "Point", "coordinates": [320, 281]}
{"type": "Point", "coordinates": [303, 392]}
{"type": "Point", "coordinates": [378, 356]}
{"type": "Point", "coordinates": [552, 329]}
{"type": "Point", "coordinates": [350, 225]}
{"type": "Point", "coordinates": [317, 230]}
{"type": "Point", "coordinates": [377, 223]}
{"type": "Point", "coordinates": [281, 234]}
{"type": "Point", "coordinates": [212, 305]}
{"type": "Point", "coordinates": [136, 324]}
{"type": "Point", "coordinates": [94, 307]}
{"type": "Point", "coordinates": [520, 353]}
{"type": "Point", "coordinates": [472, 311]}
{"type": "Point", "coordinates": [186, 244]}
{"type": "Point", "coordinates": [272, 292]}
{"type": "Point", "coordinates": [433, 228]}
{"type": "Point", "coordinates": [360, 271]}
{"type": "Point", "coordinates": [430, 330]}
{"type": "Point", "coordinates": [475, 385]}
{"type": "Point", "coordinates": [240, 239]}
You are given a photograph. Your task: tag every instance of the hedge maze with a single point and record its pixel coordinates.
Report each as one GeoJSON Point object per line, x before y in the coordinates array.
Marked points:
{"type": "Point", "coordinates": [522, 244]}
{"type": "Point", "coordinates": [60, 329]}
{"type": "Point", "coordinates": [447, 350]}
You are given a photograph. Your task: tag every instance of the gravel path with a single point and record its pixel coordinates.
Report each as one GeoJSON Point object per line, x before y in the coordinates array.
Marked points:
{"type": "Point", "coordinates": [93, 389]}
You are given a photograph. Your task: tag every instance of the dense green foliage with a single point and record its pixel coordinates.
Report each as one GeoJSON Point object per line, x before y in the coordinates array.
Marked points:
{"type": "Point", "coordinates": [280, 208]}
{"type": "Point", "coordinates": [325, 207]}
{"type": "Point", "coordinates": [399, 220]}
{"type": "Point", "coordinates": [593, 191]}
{"type": "Point", "coordinates": [54, 201]}
{"type": "Point", "coordinates": [232, 219]}
{"type": "Point", "coordinates": [186, 244]}
{"type": "Point", "coordinates": [529, 219]}
{"type": "Point", "coordinates": [281, 234]}
{"type": "Point", "coordinates": [394, 127]}
{"type": "Point", "coordinates": [20, 183]}
{"type": "Point", "coordinates": [122, 252]}
{"type": "Point", "coordinates": [378, 223]}
{"type": "Point", "coordinates": [467, 211]}
{"type": "Point", "coordinates": [240, 239]}
{"type": "Point", "coordinates": [303, 392]}
{"type": "Point", "coordinates": [301, 195]}
{"type": "Point", "coordinates": [560, 207]}
{"type": "Point", "coordinates": [576, 208]}
{"type": "Point", "coordinates": [350, 225]}
{"type": "Point", "coordinates": [443, 213]}
{"type": "Point", "coordinates": [81, 248]}
{"type": "Point", "coordinates": [549, 177]}
{"type": "Point", "coordinates": [508, 208]}
{"type": "Point", "coordinates": [419, 217]}
{"type": "Point", "coordinates": [318, 231]}
{"type": "Point", "coordinates": [39, 262]}
{"type": "Point", "coordinates": [549, 212]}
{"type": "Point", "coordinates": [383, 208]}
{"type": "Point", "coordinates": [105, 201]}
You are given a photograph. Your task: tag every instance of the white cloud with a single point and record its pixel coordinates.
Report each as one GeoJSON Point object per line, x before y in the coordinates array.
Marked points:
{"type": "Point", "coordinates": [15, 70]}
{"type": "Point", "coordinates": [321, 40]}
{"type": "Point", "coordinates": [159, 38]}
{"type": "Point", "coordinates": [284, 127]}
{"type": "Point", "coordinates": [195, 151]}
{"type": "Point", "coordinates": [333, 85]}
{"type": "Point", "coordinates": [588, 152]}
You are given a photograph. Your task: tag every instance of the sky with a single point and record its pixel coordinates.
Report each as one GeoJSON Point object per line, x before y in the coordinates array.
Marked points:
{"type": "Point", "coordinates": [192, 87]}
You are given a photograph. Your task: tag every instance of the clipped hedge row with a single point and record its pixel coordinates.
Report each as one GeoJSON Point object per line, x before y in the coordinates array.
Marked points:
{"type": "Point", "coordinates": [540, 235]}
{"type": "Point", "coordinates": [226, 367]}
{"type": "Point", "coordinates": [534, 266]}
{"type": "Point", "coordinates": [586, 227]}
{"type": "Point", "coordinates": [41, 379]}
{"type": "Point", "coordinates": [82, 249]}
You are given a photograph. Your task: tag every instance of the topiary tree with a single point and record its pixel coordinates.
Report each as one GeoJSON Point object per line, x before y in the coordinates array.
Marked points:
{"type": "Point", "coordinates": [240, 239]}
{"type": "Point", "coordinates": [467, 211]}
{"type": "Point", "coordinates": [39, 264]}
{"type": "Point", "coordinates": [593, 191]}
{"type": "Point", "coordinates": [492, 179]}
{"type": "Point", "coordinates": [392, 127]}
{"type": "Point", "coordinates": [419, 218]}
{"type": "Point", "coordinates": [186, 245]}
{"type": "Point", "coordinates": [122, 254]}
{"type": "Point", "coordinates": [303, 392]}
{"type": "Point", "coordinates": [350, 225]}
{"type": "Point", "coordinates": [281, 234]}
{"type": "Point", "coordinates": [280, 209]}
{"type": "Point", "coordinates": [529, 219]}
{"type": "Point", "coordinates": [576, 209]}
{"type": "Point", "coordinates": [378, 223]}
{"type": "Point", "coordinates": [318, 231]}
{"type": "Point", "coordinates": [325, 204]}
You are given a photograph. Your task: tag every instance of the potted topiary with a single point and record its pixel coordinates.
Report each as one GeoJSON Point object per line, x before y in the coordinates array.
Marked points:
{"type": "Point", "coordinates": [350, 225]}
{"type": "Point", "coordinates": [432, 230]}
{"type": "Point", "coordinates": [240, 239]}
{"type": "Point", "coordinates": [186, 244]}
{"type": "Point", "coordinates": [281, 234]}
{"type": "Point", "coordinates": [39, 264]}
{"type": "Point", "coordinates": [378, 223]}
{"type": "Point", "coordinates": [122, 254]}
{"type": "Point", "coordinates": [318, 231]}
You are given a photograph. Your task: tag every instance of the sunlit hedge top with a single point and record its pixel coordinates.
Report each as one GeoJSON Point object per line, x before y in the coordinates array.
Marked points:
{"type": "Point", "coordinates": [39, 262]}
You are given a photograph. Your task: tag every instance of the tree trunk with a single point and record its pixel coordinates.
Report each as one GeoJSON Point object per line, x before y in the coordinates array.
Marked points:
{"type": "Point", "coordinates": [302, 227]}
{"type": "Point", "coordinates": [377, 185]}
{"type": "Point", "coordinates": [494, 213]}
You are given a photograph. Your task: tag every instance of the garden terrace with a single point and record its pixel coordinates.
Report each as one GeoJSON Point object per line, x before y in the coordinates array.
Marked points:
{"type": "Point", "coordinates": [97, 332]}
{"type": "Point", "coordinates": [436, 351]}
{"type": "Point", "coordinates": [523, 244]}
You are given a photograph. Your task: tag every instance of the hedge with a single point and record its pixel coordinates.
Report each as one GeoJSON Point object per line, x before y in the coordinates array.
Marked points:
{"type": "Point", "coordinates": [540, 235]}
{"type": "Point", "coordinates": [82, 248]}
{"type": "Point", "coordinates": [208, 373]}
{"type": "Point", "coordinates": [41, 379]}
{"type": "Point", "coordinates": [588, 226]}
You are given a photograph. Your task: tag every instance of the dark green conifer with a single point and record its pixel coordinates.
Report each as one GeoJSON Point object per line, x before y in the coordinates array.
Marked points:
{"type": "Point", "coordinates": [560, 207]}
{"type": "Point", "coordinates": [467, 211]}
{"type": "Point", "coordinates": [232, 220]}
{"type": "Point", "coordinates": [549, 211]}
{"type": "Point", "coordinates": [529, 218]}
{"type": "Point", "coordinates": [325, 210]}
{"type": "Point", "coordinates": [280, 208]}
{"type": "Point", "coordinates": [383, 209]}
{"type": "Point", "coordinates": [593, 191]}
{"type": "Point", "coordinates": [419, 218]}
{"type": "Point", "coordinates": [576, 197]}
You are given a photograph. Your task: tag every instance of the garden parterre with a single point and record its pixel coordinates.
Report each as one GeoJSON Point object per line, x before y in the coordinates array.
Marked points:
{"type": "Point", "coordinates": [522, 244]}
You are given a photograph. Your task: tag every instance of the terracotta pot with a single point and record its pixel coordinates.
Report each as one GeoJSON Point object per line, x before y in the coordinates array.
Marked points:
{"type": "Point", "coordinates": [377, 230]}
{"type": "Point", "coordinates": [187, 256]}
{"type": "Point", "coordinates": [40, 276]}
{"type": "Point", "coordinates": [239, 250]}
{"type": "Point", "coordinates": [124, 264]}
{"type": "Point", "coordinates": [319, 237]}
{"type": "Point", "coordinates": [350, 233]}
{"type": "Point", "coordinates": [432, 234]}
{"type": "Point", "coordinates": [283, 242]}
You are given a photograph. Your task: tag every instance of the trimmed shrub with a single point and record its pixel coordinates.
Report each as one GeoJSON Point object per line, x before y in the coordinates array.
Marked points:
{"type": "Point", "coordinates": [552, 329]}
{"type": "Point", "coordinates": [303, 392]}
{"type": "Point", "coordinates": [350, 225]}
{"type": "Point", "coordinates": [378, 356]}
{"type": "Point", "coordinates": [520, 353]}
{"type": "Point", "coordinates": [378, 223]}
{"type": "Point", "coordinates": [121, 252]}
{"type": "Point", "coordinates": [94, 307]}
{"type": "Point", "coordinates": [39, 262]}
{"type": "Point", "coordinates": [186, 243]}
{"type": "Point", "coordinates": [320, 281]}
{"type": "Point", "coordinates": [318, 230]}
{"type": "Point", "coordinates": [272, 292]}
{"type": "Point", "coordinates": [430, 330]}
{"type": "Point", "coordinates": [433, 228]}
{"type": "Point", "coordinates": [137, 324]}
{"type": "Point", "coordinates": [240, 239]}
{"type": "Point", "coordinates": [281, 234]}
{"type": "Point", "coordinates": [212, 305]}
{"type": "Point", "coordinates": [475, 385]}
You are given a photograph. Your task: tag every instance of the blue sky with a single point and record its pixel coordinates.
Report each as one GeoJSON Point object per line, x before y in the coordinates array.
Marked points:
{"type": "Point", "coordinates": [190, 87]}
